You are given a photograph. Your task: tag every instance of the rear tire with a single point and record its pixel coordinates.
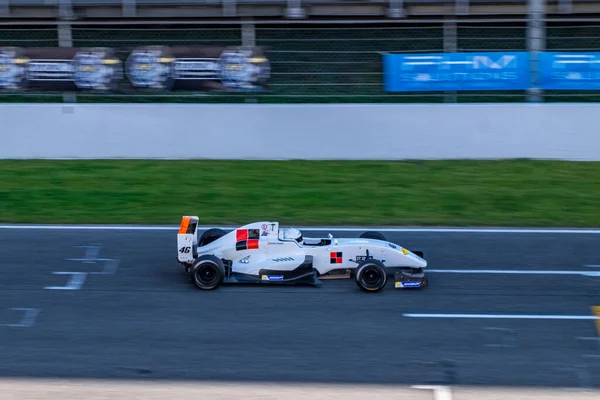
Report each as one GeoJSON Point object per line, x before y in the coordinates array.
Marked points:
{"type": "Point", "coordinates": [373, 235]}
{"type": "Point", "coordinates": [210, 236]}
{"type": "Point", "coordinates": [371, 276]}
{"type": "Point", "coordinates": [208, 272]}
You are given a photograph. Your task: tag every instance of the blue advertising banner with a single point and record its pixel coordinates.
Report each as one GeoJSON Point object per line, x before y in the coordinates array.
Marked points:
{"type": "Point", "coordinates": [569, 71]}
{"type": "Point", "coordinates": [456, 71]}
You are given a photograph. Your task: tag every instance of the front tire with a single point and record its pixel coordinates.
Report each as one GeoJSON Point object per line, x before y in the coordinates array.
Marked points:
{"type": "Point", "coordinates": [208, 272]}
{"type": "Point", "coordinates": [371, 276]}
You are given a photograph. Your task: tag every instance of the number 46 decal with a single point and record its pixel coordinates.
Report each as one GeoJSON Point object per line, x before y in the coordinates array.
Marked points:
{"type": "Point", "coordinates": [185, 250]}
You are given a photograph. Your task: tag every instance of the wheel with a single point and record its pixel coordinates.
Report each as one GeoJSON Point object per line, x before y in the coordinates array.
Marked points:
{"type": "Point", "coordinates": [371, 276]}
{"type": "Point", "coordinates": [373, 235]}
{"type": "Point", "coordinates": [208, 272]}
{"type": "Point", "coordinates": [210, 236]}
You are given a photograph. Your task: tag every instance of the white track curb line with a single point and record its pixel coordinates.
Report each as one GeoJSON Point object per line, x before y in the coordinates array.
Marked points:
{"type": "Point", "coordinates": [576, 231]}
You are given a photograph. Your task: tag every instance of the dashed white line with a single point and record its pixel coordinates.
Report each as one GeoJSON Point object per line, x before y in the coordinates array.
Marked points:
{"type": "Point", "coordinates": [110, 268]}
{"type": "Point", "coordinates": [593, 339]}
{"type": "Point", "coordinates": [91, 252]}
{"type": "Point", "coordinates": [91, 257]}
{"type": "Point", "coordinates": [75, 283]}
{"type": "Point", "coordinates": [110, 265]}
{"type": "Point", "coordinates": [28, 319]}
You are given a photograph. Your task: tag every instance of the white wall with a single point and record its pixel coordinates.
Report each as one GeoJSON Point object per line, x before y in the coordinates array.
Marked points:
{"type": "Point", "coordinates": [482, 131]}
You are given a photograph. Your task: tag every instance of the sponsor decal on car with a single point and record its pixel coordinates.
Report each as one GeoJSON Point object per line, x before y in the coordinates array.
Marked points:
{"type": "Point", "coordinates": [407, 284]}
{"type": "Point", "coordinates": [246, 239]}
{"type": "Point", "coordinates": [272, 277]}
{"type": "Point", "coordinates": [335, 257]}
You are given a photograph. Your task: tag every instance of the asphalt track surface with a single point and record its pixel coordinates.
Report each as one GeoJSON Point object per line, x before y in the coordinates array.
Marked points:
{"type": "Point", "coordinates": [143, 319]}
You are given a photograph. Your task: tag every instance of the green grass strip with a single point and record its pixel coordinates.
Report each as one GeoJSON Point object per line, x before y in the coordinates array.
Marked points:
{"type": "Point", "coordinates": [457, 193]}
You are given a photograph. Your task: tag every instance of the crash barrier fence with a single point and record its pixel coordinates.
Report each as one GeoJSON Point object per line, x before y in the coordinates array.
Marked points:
{"type": "Point", "coordinates": [289, 63]}
{"type": "Point", "coordinates": [300, 3]}
{"type": "Point", "coordinates": [300, 131]}
{"type": "Point", "coordinates": [291, 8]}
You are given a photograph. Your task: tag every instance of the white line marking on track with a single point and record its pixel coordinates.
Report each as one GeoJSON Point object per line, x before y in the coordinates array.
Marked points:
{"type": "Point", "coordinates": [91, 257]}
{"type": "Point", "coordinates": [512, 272]}
{"type": "Point", "coordinates": [92, 227]}
{"type": "Point", "coordinates": [110, 265]}
{"type": "Point", "coordinates": [594, 339]}
{"type": "Point", "coordinates": [28, 319]}
{"type": "Point", "coordinates": [439, 392]}
{"type": "Point", "coordinates": [75, 283]}
{"type": "Point", "coordinates": [576, 231]}
{"type": "Point", "coordinates": [503, 316]}
{"type": "Point", "coordinates": [91, 253]}
{"type": "Point", "coordinates": [110, 268]}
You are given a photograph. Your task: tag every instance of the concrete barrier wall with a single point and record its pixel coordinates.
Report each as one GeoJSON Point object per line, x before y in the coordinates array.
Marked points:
{"type": "Point", "coordinates": [544, 131]}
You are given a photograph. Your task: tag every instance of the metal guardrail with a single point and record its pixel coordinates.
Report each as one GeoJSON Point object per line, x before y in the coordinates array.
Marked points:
{"type": "Point", "coordinates": [309, 62]}
{"type": "Point", "coordinates": [82, 3]}
{"type": "Point", "coordinates": [294, 9]}
{"type": "Point", "coordinates": [325, 63]}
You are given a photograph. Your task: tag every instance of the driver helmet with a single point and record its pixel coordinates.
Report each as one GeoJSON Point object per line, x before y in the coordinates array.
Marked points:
{"type": "Point", "coordinates": [292, 234]}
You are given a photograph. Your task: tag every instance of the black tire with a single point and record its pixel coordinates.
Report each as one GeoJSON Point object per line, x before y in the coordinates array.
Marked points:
{"type": "Point", "coordinates": [371, 276]}
{"type": "Point", "coordinates": [373, 235]}
{"type": "Point", "coordinates": [210, 236]}
{"type": "Point", "coordinates": [208, 272]}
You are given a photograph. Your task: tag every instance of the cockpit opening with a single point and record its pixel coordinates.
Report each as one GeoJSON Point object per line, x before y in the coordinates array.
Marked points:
{"type": "Point", "coordinates": [290, 234]}
{"type": "Point", "coordinates": [294, 234]}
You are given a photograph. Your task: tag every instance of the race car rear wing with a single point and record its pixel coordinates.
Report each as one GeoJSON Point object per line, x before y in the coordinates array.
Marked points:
{"type": "Point", "coordinates": [187, 239]}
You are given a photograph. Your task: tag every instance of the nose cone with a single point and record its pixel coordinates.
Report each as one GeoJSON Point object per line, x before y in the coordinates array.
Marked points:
{"type": "Point", "coordinates": [418, 262]}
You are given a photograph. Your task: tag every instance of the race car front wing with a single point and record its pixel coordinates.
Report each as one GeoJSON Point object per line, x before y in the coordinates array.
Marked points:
{"type": "Point", "coordinates": [410, 279]}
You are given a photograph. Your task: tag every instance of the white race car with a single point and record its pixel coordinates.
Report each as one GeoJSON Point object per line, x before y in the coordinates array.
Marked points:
{"type": "Point", "coordinates": [262, 252]}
